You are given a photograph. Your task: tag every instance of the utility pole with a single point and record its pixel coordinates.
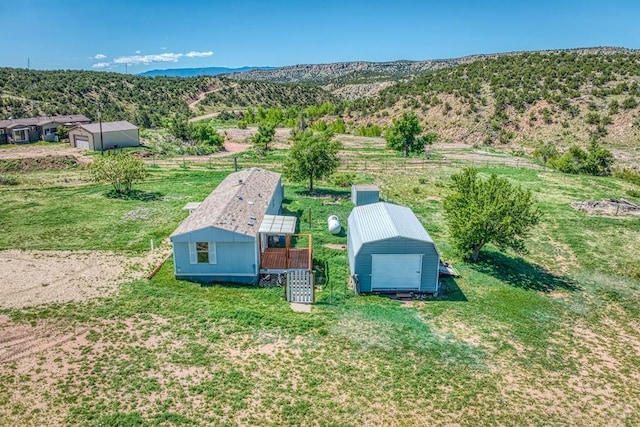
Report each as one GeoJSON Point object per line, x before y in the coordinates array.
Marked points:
{"type": "Point", "coordinates": [100, 120]}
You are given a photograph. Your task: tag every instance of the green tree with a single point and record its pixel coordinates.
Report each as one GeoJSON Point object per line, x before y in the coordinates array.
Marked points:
{"type": "Point", "coordinates": [312, 156]}
{"type": "Point", "coordinates": [488, 211]}
{"type": "Point", "coordinates": [203, 132]}
{"type": "Point", "coordinates": [62, 133]}
{"type": "Point", "coordinates": [266, 133]}
{"type": "Point", "coordinates": [402, 136]}
{"type": "Point", "coordinates": [178, 126]}
{"type": "Point", "coordinates": [120, 170]}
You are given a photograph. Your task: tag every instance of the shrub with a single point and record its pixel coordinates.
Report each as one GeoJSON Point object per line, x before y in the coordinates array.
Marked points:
{"type": "Point", "coordinates": [628, 175]}
{"type": "Point", "coordinates": [343, 179]}
{"type": "Point", "coordinates": [8, 180]}
{"type": "Point", "coordinates": [629, 103]}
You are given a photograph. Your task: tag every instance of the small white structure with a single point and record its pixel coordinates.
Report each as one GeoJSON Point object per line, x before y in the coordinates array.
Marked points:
{"type": "Point", "coordinates": [333, 224]}
{"type": "Point", "coordinates": [364, 194]}
{"type": "Point", "coordinates": [99, 137]}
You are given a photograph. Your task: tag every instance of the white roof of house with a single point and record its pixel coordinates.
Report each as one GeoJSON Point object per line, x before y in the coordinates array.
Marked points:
{"type": "Point", "coordinates": [191, 206]}
{"type": "Point", "coordinates": [238, 204]}
{"type": "Point", "coordinates": [108, 126]}
{"type": "Point", "coordinates": [381, 221]}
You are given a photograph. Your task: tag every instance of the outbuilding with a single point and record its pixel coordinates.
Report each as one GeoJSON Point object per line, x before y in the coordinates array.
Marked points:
{"type": "Point", "coordinates": [220, 239]}
{"type": "Point", "coordinates": [390, 251]}
{"type": "Point", "coordinates": [105, 136]}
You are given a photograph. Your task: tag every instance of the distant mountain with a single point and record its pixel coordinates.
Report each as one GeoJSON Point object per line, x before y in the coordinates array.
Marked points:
{"type": "Point", "coordinates": [367, 72]}
{"type": "Point", "coordinates": [194, 72]}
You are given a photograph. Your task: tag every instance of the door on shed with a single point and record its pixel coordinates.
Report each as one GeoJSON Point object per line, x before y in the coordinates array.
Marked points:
{"type": "Point", "coordinates": [396, 271]}
{"type": "Point", "coordinates": [81, 142]}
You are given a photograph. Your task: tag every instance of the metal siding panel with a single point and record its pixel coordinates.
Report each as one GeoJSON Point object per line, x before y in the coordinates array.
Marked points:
{"type": "Point", "coordinates": [121, 138]}
{"type": "Point", "coordinates": [398, 245]}
{"type": "Point", "coordinates": [396, 271]}
{"type": "Point", "coordinates": [430, 262]}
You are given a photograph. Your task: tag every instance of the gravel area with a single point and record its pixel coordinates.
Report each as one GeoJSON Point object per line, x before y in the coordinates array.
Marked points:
{"type": "Point", "coordinates": [30, 278]}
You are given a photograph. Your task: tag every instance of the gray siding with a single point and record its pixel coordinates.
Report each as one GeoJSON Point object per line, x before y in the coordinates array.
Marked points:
{"type": "Point", "coordinates": [364, 196]}
{"type": "Point", "coordinates": [117, 139]}
{"type": "Point", "coordinates": [235, 262]}
{"type": "Point", "coordinates": [276, 200]}
{"type": "Point", "coordinates": [360, 263]}
{"type": "Point", "coordinates": [236, 257]}
{"type": "Point", "coordinates": [122, 138]}
{"type": "Point", "coordinates": [83, 133]}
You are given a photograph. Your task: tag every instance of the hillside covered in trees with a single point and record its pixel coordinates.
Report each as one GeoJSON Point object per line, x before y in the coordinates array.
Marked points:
{"type": "Point", "coordinates": [566, 96]}
{"type": "Point", "coordinates": [139, 99]}
{"type": "Point", "coordinates": [562, 97]}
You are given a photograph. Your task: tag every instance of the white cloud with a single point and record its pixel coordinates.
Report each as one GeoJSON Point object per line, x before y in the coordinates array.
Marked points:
{"type": "Point", "coordinates": [100, 56]}
{"type": "Point", "coordinates": [148, 59]}
{"type": "Point", "coordinates": [193, 54]}
{"type": "Point", "coordinates": [101, 65]}
{"type": "Point", "coordinates": [137, 52]}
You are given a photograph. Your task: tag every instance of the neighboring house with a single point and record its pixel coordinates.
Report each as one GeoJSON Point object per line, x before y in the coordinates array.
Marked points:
{"type": "Point", "coordinates": [36, 128]}
{"type": "Point", "coordinates": [99, 137]}
{"type": "Point", "coordinates": [220, 240]}
{"type": "Point", "coordinates": [390, 251]}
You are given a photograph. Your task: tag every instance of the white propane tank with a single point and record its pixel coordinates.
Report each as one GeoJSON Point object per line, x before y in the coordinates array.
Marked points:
{"type": "Point", "coordinates": [333, 223]}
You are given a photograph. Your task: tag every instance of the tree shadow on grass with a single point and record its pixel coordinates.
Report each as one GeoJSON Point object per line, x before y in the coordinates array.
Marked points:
{"type": "Point", "coordinates": [325, 192]}
{"type": "Point", "coordinates": [143, 196]}
{"type": "Point", "coordinates": [520, 274]}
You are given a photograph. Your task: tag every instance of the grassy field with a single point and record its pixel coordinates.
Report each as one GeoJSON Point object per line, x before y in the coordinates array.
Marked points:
{"type": "Point", "coordinates": [551, 337]}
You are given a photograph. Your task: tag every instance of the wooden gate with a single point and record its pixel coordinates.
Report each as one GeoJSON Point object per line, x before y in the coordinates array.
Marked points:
{"type": "Point", "coordinates": [300, 286]}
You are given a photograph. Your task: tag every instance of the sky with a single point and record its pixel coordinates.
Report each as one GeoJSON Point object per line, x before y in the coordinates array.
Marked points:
{"type": "Point", "coordinates": [139, 35]}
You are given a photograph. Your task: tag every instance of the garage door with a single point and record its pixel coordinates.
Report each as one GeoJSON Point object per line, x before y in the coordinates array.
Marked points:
{"type": "Point", "coordinates": [82, 142]}
{"type": "Point", "coordinates": [396, 271]}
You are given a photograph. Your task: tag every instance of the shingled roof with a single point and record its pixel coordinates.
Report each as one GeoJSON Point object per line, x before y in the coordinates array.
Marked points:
{"type": "Point", "coordinates": [238, 204]}
{"type": "Point", "coordinates": [43, 120]}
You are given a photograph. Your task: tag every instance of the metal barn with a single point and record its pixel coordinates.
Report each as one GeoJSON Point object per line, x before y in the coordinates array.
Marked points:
{"type": "Point", "coordinates": [364, 194]}
{"type": "Point", "coordinates": [105, 136]}
{"type": "Point", "coordinates": [390, 251]}
{"type": "Point", "coordinates": [219, 241]}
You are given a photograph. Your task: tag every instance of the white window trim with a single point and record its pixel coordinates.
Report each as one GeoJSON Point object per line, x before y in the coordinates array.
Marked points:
{"type": "Point", "coordinates": [193, 253]}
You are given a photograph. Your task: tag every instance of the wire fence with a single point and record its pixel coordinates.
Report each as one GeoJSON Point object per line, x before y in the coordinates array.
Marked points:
{"type": "Point", "coordinates": [351, 163]}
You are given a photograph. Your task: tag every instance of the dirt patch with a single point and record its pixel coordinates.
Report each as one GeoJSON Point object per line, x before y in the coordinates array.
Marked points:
{"type": "Point", "coordinates": [335, 246]}
{"type": "Point", "coordinates": [30, 278]}
{"type": "Point", "coordinates": [33, 151]}
{"type": "Point", "coordinates": [30, 164]}
{"type": "Point", "coordinates": [611, 207]}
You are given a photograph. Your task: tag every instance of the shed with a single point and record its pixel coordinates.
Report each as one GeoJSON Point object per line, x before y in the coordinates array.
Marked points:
{"type": "Point", "coordinates": [98, 137]}
{"type": "Point", "coordinates": [219, 240]}
{"type": "Point", "coordinates": [364, 194]}
{"type": "Point", "coordinates": [389, 250]}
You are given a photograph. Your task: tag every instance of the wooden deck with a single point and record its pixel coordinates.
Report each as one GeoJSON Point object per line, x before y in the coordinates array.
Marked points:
{"type": "Point", "coordinates": [280, 259]}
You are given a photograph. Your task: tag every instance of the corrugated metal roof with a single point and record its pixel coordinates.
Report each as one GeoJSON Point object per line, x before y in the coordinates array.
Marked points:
{"type": "Point", "coordinates": [379, 221]}
{"type": "Point", "coordinates": [238, 204]}
{"type": "Point", "coordinates": [43, 120]}
{"type": "Point", "coordinates": [109, 126]}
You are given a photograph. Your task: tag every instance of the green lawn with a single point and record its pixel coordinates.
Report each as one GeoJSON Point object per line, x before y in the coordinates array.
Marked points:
{"type": "Point", "coordinates": [546, 338]}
